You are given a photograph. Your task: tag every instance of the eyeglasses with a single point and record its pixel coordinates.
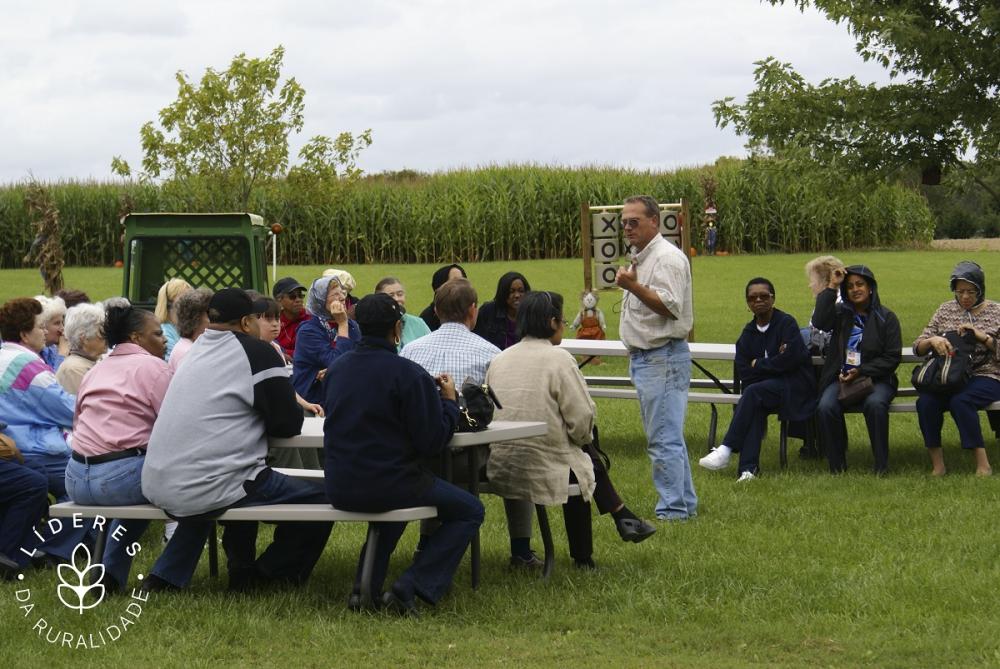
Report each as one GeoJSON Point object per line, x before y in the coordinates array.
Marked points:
{"type": "Point", "coordinates": [631, 222]}
{"type": "Point", "coordinates": [966, 292]}
{"type": "Point", "coordinates": [759, 297]}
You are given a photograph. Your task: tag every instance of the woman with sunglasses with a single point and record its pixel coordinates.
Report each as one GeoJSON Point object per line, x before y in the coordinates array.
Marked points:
{"type": "Point", "coordinates": [969, 311]}
{"type": "Point", "coordinates": [775, 370]}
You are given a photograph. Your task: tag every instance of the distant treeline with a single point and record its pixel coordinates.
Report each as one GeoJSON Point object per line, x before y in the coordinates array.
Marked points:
{"type": "Point", "coordinates": [504, 212]}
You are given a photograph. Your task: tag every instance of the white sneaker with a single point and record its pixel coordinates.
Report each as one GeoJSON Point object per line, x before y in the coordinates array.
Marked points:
{"type": "Point", "coordinates": [718, 458]}
{"type": "Point", "coordinates": [746, 476]}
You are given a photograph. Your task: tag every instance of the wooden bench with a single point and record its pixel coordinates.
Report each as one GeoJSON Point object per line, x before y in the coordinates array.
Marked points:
{"type": "Point", "coordinates": [270, 514]}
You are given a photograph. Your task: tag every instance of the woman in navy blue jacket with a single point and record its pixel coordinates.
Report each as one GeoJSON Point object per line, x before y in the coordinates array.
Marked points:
{"type": "Point", "coordinates": [775, 369]}
{"type": "Point", "coordinates": [323, 338]}
{"type": "Point", "coordinates": [385, 416]}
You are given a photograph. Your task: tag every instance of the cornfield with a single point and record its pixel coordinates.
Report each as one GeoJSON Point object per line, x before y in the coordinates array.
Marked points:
{"type": "Point", "coordinates": [504, 212]}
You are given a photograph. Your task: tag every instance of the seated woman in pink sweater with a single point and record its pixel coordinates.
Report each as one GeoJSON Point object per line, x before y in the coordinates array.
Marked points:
{"type": "Point", "coordinates": [115, 409]}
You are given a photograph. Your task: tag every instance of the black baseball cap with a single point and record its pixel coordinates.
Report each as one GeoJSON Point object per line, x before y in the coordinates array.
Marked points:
{"type": "Point", "coordinates": [286, 286]}
{"type": "Point", "coordinates": [228, 305]}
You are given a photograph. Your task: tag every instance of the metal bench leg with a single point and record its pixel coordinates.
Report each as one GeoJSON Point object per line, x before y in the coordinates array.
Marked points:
{"type": "Point", "coordinates": [713, 423]}
{"type": "Point", "coordinates": [368, 565]}
{"type": "Point", "coordinates": [546, 532]}
{"type": "Point", "coordinates": [99, 544]}
{"type": "Point", "coordinates": [783, 444]}
{"type": "Point", "coordinates": [213, 550]}
{"type": "Point", "coordinates": [474, 548]}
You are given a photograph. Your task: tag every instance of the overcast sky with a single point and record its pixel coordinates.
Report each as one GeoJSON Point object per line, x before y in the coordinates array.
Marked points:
{"type": "Point", "coordinates": [441, 83]}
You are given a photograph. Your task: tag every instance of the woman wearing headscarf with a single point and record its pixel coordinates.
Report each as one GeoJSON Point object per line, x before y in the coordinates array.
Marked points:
{"type": "Point", "coordinates": [323, 338]}
{"type": "Point", "coordinates": [497, 322]}
{"type": "Point", "coordinates": [441, 276]}
{"type": "Point", "coordinates": [969, 311]}
{"type": "Point", "coordinates": [865, 341]}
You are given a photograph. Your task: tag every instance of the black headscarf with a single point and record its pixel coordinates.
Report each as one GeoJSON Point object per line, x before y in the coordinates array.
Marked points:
{"type": "Point", "coordinates": [973, 273]}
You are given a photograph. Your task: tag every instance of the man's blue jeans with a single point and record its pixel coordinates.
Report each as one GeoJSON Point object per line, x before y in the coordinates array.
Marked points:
{"type": "Point", "coordinates": [53, 467]}
{"type": "Point", "coordinates": [115, 483]}
{"type": "Point", "coordinates": [661, 377]}
{"type": "Point", "coordinates": [292, 554]}
{"type": "Point", "coordinates": [433, 568]}
{"type": "Point", "coordinates": [23, 500]}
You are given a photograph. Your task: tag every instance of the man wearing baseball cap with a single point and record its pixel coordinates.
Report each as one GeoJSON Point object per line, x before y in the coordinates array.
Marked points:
{"type": "Point", "coordinates": [290, 295]}
{"type": "Point", "coordinates": [207, 454]}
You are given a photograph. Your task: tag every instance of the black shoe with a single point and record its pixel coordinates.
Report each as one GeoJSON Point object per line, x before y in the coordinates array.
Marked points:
{"type": "Point", "coordinates": [8, 568]}
{"type": "Point", "coordinates": [46, 561]}
{"type": "Point", "coordinates": [111, 586]}
{"type": "Point", "coordinates": [154, 583]}
{"type": "Point", "coordinates": [529, 563]}
{"type": "Point", "coordinates": [396, 604]}
{"type": "Point", "coordinates": [586, 563]}
{"type": "Point", "coordinates": [809, 453]}
{"type": "Point", "coordinates": [634, 529]}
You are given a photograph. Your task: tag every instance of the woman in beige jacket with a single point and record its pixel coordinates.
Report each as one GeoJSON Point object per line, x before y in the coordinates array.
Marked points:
{"type": "Point", "coordinates": [538, 381]}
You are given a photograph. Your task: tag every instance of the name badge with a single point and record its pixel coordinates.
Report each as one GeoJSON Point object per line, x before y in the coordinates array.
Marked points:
{"type": "Point", "coordinates": [853, 358]}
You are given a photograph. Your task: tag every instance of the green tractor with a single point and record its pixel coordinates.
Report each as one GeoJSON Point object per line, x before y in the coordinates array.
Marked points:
{"type": "Point", "coordinates": [207, 250]}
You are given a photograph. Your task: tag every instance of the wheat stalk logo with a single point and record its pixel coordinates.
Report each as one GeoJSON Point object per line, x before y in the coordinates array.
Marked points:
{"type": "Point", "coordinates": [73, 587]}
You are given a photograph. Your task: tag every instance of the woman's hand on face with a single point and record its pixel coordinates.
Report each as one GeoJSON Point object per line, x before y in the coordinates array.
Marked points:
{"type": "Point", "coordinates": [339, 312]}
{"type": "Point", "coordinates": [447, 387]}
{"type": "Point", "coordinates": [837, 277]}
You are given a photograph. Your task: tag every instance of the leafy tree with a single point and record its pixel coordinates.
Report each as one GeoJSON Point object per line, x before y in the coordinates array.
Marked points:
{"type": "Point", "coordinates": [227, 136]}
{"type": "Point", "coordinates": [941, 107]}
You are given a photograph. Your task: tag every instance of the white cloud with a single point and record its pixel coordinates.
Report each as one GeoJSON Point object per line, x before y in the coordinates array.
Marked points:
{"type": "Point", "coordinates": [442, 83]}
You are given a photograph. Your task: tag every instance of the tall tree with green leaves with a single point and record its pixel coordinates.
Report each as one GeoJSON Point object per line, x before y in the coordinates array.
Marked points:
{"type": "Point", "coordinates": [941, 109]}
{"type": "Point", "coordinates": [227, 136]}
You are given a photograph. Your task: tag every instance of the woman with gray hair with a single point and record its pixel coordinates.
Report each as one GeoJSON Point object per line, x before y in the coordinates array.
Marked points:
{"type": "Point", "coordinates": [192, 319]}
{"type": "Point", "coordinates": [322, 339]}
{"type": "Point", "coordinates": [83, 331]}
{"type": "Point", "coordinates": [53, 316]}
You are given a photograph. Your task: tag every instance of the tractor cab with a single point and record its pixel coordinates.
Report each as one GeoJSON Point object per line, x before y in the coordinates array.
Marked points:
{"type": "Point", "coordinates": [207, 250]}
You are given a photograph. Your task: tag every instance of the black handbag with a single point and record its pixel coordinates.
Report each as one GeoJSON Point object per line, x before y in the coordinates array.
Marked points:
{"type": "Point", "coordinates": [476, 404]}
{"type": "Point", "coordinates": [947, 374]}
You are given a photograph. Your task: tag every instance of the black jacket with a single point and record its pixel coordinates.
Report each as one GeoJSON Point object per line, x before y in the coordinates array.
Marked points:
{"type": "Point", "coordinates": [793, 365]}
{"type": "Point", "coordinates": [881, 342]}
{"type": "Point", "coordinates": [492, 325]}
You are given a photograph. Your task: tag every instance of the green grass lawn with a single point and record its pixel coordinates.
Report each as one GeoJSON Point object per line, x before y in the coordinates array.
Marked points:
{"type": "Point", "coordinates": [797, 568]}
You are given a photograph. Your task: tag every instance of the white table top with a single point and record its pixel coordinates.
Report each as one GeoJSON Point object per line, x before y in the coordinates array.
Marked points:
{"type": "Point", "coordinates": [498, 430]}
{"type": "Point", "coordinates": [699, 350]}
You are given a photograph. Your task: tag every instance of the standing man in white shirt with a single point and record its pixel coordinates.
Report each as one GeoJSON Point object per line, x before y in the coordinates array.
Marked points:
{"type": "Point", "coordinates": [657, 315]}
